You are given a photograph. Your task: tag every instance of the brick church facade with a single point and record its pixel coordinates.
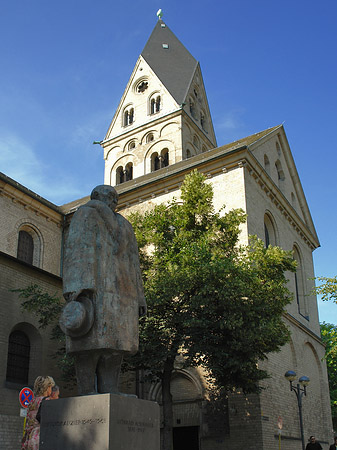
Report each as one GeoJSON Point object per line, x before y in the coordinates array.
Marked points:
{"type": "Point", "coordinates": [162, 129]}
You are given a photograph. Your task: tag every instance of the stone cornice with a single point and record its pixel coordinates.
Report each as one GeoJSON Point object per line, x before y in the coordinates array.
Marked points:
{"type": "Point", "coordinates": [30, 201]}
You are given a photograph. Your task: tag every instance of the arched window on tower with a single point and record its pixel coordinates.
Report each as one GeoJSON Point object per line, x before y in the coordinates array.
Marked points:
{"type": "Point", "coordinates": [120, 175]}
{"type": "Point", "coordinates": [25, 247]}
{"type": "Point", "coordinates": [149, 138]}
{"type": "Point", "coordinates": [159, 161]}
{"type": "Point", "coordinates": [165, 157]}
{"type": "Point", "coordinates": [155, 163]}
{"type": "Point", "coordinates": [203, 122]}
{"type": "Point", "coordinates": [192, 108]}
{"type": "Point", "coordinates": [128, 116]}
{"type": "Point", "coordinates": [155, 104]}
{"type": "Point", "coordinates": [280, 175]}
{"type": "Point", "coordinates": [267, 164]}
{"type": "Point", "coordinates": [18, 358]}
{"type": "Point", "coordinates": [128, 171]}
{"type": "Point", "coordinates": [123, 175]}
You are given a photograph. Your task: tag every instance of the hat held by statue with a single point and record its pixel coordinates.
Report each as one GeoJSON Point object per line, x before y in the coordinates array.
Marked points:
{"type": "Point", "coordinates": [77, 317]}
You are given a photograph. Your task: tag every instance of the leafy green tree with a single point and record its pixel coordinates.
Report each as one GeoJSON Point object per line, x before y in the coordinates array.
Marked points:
{"type": "Point", "coordinates": [48, 309]}
{"type": "Point", "coordinates": [216, 303]}
{"type": "Point", "coordinates": [328, 288]}
{"type": "Point", "coordinates": [329, 337]}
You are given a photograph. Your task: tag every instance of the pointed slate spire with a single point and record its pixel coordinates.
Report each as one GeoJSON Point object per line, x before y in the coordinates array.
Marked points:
{"type": "Point", "coordinates": [170, 60]}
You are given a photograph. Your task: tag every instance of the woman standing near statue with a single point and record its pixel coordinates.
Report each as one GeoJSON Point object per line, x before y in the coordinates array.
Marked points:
{"type": "Point", "coordinates": [42, 390]}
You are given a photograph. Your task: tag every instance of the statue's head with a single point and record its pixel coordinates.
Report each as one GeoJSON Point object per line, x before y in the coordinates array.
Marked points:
{"type": "Point", "coordinates": [106, 194]}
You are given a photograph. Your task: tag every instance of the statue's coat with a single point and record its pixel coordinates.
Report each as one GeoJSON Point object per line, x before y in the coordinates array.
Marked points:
{"type": "Point", "coordinates": [101, 256]}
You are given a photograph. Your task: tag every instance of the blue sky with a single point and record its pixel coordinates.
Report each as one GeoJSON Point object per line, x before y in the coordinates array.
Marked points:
{"type": "Point", "coordinates": [64, 67]}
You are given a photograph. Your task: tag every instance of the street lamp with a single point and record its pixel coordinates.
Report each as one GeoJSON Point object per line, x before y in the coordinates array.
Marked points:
{"type": "Point", "coordinates": [299, 390]}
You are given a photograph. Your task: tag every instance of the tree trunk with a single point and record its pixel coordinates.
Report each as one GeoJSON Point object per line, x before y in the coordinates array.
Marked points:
{"type": "Point", "coordinates": [167, 405]}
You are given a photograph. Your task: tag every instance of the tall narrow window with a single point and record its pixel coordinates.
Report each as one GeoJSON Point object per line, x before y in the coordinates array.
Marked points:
{"type": "Point", "coordinates": [158, 104]}
{"type": "Point", "coordinates": [280, 175]}
{"type": "Point", "coordinates": [131, 116]}
{"type": "Point", "coordinates": [18, 358]}
{"type": "Point", "coordinates": [128, 116]}
{"type": "Point", "coordinates": [267, 164]}
{"type": "Point", "coordinates": [25, 247]}
{"type": "Point", "coordinates": [266, 236]}
{"type": "Point", "coordinates": [159, 161]}
{"type": "Point", "coordinates": [155, 162]}
{"type": "Point", "coordinates": [299, 284]}
{"type": "Point", "coordinates": [269, 231]}
{"type": "Point", "coordinates": [192, 108]}
{"type": "Point", "coordinates": [119, 175]}
{"type": "Point", "coordinates": [203, 122]}
{"type": "Point", "coordinates": [165, 157]}
{"type": "Point", "coordinates": [155, 104]}
{"type": "Point", "coordinates": [128, 172]}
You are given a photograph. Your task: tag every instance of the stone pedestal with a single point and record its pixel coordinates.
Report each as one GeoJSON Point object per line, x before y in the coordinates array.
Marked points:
{"type": "Point", "coordinates": [100, 422]}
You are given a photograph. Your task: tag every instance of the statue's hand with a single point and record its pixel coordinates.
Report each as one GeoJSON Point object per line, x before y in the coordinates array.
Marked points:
{"type": "Point", "coordinates": [69, 296]}
{"type": "Point", "coordinates": [142, 311]}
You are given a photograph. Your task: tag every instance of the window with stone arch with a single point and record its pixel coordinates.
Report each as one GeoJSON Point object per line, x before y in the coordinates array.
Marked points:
{"type": "Point", "coordinates": [159, 161]}
{"type": "Point", "coordinates": [165, 157]}
{"type": "Point", "coordinates": [192, 108]}
{"type": "Point", "coordinates": [120, 175]}
{"type": "Point", "coordinates": [299, 283]}
{"type": "Point", "coordinates": [155, 103]}
{"type": "Point", "coordinates": [269, 230]}
{"type": "Point", "coordinates": [131, 145]}
{"type": "Point", "coordinates": [267, 164]}
{"type": "Point", "coordinates": [29, 245]}
{"type": "Point", "coordinates": [124, 174]}
{"type": "Point", "coordinates": [129, 171]}
{"type": "Point", "coordinates": [188, 153]}
{"type": "Point", "coordinates": [128, 116]}
{"type": "Point", "coordinates": [149, 138]}
{"type": "Point", "coordinates": [18, 358]}
{"type": "Point", "coordinates": [278, 149]}
{"type": "Point", "coordinates": [155, 164]}
{"type": "Point", "coordinates": [280, 175]}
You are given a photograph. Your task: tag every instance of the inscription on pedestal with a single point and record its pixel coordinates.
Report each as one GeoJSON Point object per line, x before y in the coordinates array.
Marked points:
{"type": "Point", "coordinates": [100, 422]}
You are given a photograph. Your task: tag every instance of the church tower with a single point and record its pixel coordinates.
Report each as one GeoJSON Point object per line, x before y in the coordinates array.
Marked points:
{"type": "Point", "coordinates": [163, 116]}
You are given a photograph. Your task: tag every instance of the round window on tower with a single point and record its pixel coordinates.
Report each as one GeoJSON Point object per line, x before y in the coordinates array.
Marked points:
{"type": "Point", "coordinates": [141, 85]}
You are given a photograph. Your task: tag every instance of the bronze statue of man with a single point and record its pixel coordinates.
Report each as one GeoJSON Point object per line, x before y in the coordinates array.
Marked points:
{"type": "Point", "coordinates": [104, 292]}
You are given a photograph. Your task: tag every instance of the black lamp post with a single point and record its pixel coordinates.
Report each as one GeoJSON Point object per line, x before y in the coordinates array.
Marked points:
{"type": "Point", "coordinates": [299, 390]}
